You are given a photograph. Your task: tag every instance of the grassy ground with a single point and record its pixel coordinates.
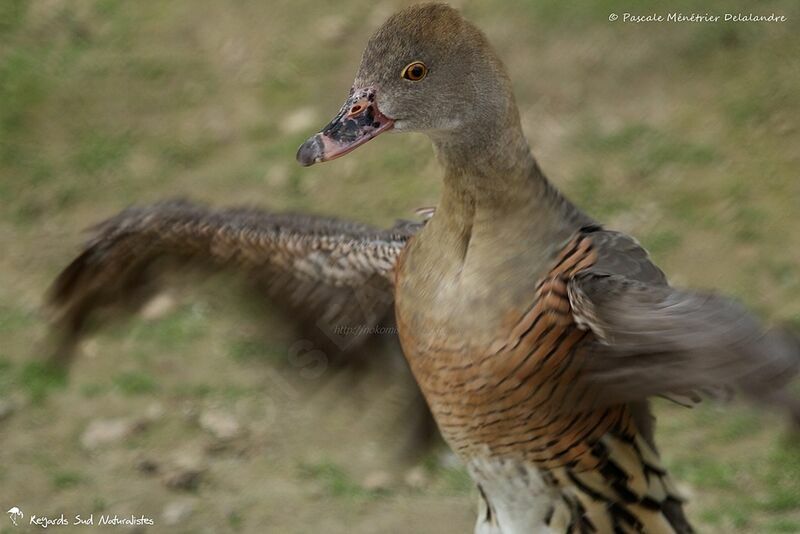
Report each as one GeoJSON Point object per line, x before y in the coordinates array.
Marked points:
{"type": "Point", "coordinates": [684, 134]}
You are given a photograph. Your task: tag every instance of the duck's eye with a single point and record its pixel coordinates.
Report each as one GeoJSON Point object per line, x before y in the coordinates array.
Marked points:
{"type": "Point", "coordinates": [414, 71]}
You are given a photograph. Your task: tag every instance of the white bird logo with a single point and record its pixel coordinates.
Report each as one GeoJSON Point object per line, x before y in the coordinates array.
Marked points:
{"type": "Point", "coordinates": [15, 513]}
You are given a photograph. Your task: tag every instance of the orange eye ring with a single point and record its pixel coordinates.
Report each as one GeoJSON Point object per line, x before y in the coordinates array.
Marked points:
{"type": "Point", "coordinates": [414, 71]}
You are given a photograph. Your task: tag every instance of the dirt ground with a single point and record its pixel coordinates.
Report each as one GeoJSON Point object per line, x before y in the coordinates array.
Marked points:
{"type": "Point", "coordinates": [193, 413]}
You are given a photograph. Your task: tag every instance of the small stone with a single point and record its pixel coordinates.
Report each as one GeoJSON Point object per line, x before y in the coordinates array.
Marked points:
{"type": "Point", "coordinates": [218, 125]}
{"type": "Point", "coordinates": [331, 28]}
{"type": "Point", "coordinates": [686, 491]}
{"type": "Point", "coordinates": [157, 307]}
{"type": "Point", "coordinates": [299, 121]}
{"type": "Point", "coordinates": [377, 481]}
{"type": "Point", "coordinates": [785, 127]}
{"type": "Point", "coordinates": [221, 425]}
{"type": "Point", "coordinates": [186, 470]}
{"type": "Point", "coordinates": [219, 446]}
{"type": "Point", "coordinates": [184, 478]}
{"type": "Point", "coordinates": [154, 412]}
{"type": "Point", "coordinates": [449, 460]}
{"type": "Point", "coordinates": [91, 348]}
{"type": "Point", "coordinates": [380, 12]}
{"type": "Point", "coordinates": [234, 50]}
{"type": "Point", "coordinates": [416, 477]}
{"type": "Point", "coordinates": [101, 432]}
{"type": "Point", "coordinates": [189, 412]}
{"type": "Point", "coordinates": [7, 408]}
{"type": "Point", "coordinates": [148, 466]}
{"type": "Point", "coordinates": [277, 175]}
{"type": "Point", "coordinates": [177, 512]}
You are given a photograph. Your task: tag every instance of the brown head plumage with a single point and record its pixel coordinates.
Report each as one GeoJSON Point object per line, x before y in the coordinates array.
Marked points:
{"type": "Point", "coordinates": [425, 69]}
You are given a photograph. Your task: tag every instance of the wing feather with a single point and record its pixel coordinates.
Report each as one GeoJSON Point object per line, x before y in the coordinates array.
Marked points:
{"type": "Point", "coordinates": [654, 339]}
{"type": "Point", "coordinates": [325, 269]}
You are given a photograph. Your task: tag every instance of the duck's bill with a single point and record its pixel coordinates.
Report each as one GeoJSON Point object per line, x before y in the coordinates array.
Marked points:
{"type": "Point", "coordinates": [357, 122]}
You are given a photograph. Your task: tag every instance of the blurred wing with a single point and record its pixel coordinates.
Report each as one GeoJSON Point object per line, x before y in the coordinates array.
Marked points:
{"type": "Point", "coordinates": [320, 267]}
{"type": "Point", "coordinates": [657, 340]}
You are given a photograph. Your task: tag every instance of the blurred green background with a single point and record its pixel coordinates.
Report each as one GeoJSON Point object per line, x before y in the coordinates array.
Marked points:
{"type": "Point", "coordinates": [686, 135]}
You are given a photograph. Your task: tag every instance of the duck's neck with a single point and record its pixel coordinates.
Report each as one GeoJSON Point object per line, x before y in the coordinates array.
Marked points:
{"type": "Point", "coordinates": [493, 186]}
{"type": "Point", "coordinates": [497, 227]}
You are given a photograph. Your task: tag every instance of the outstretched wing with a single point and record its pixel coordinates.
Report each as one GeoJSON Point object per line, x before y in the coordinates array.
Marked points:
{"type": "Point", "coordinates": [323, 268]}
{"type": "Point", "coordinates": [658, 340]}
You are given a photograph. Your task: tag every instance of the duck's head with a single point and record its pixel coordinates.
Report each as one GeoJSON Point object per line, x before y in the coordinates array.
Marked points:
{"type": "Point", "coordinates": [427, 70]}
